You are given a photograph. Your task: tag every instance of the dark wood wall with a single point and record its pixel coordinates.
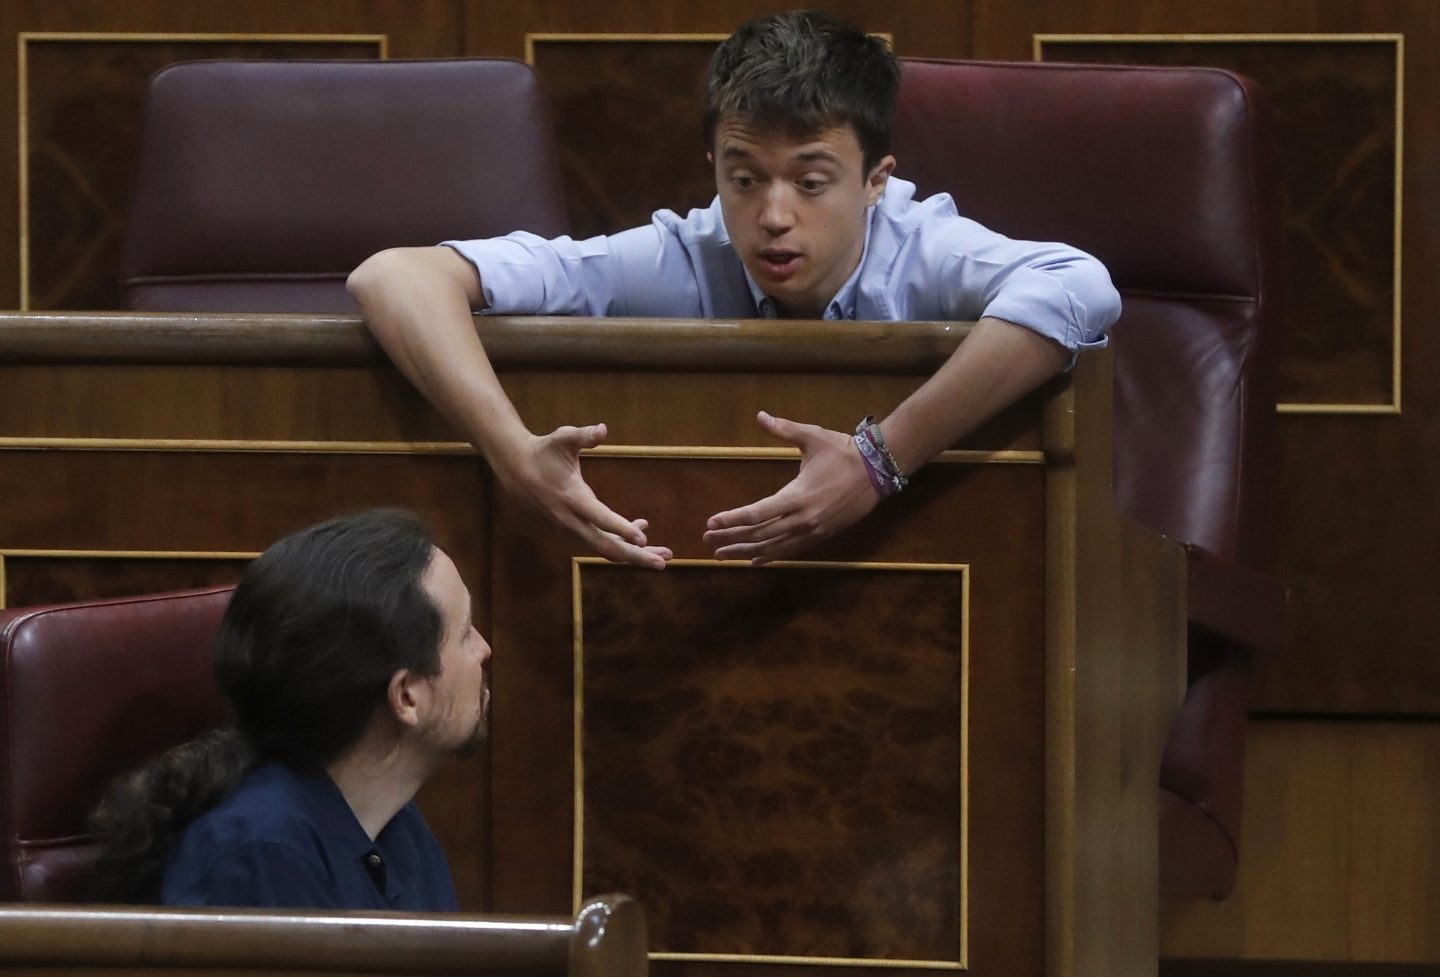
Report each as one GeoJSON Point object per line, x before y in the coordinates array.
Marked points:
{"type": "Point", "coordinates": [1344, 788]}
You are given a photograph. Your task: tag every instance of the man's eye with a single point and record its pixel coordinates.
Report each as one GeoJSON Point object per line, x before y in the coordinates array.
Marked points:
{"type": "Point", "coordinates": [812, 185]}
{"type": "Point", "coordinates": [742, 181]}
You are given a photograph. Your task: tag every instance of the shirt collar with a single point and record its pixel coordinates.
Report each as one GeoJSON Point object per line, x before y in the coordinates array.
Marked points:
{"type": "Point", "coordinates": [842, 306]}
{"type": "Point", "coordinates": [337, 819]}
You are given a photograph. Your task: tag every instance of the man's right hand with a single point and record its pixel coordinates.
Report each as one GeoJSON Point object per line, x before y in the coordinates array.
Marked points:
{"type": "Point", "coordinates": [417, 303]}
{"type": "Point", "coordinates": [545, 473]}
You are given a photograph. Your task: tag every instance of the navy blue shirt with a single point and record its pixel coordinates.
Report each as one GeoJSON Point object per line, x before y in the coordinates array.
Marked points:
{"type": "Point", "coordinates": [282, 840]}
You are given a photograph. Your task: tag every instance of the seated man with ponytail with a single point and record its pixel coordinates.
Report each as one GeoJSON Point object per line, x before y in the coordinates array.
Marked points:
{"type": "Point", "coordinates": [355, 672]}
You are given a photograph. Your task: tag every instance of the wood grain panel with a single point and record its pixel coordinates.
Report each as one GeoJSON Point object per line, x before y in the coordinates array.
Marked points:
{"type": "Point", "coordinates": [534, 704]}
{"type": "Point", "coordinates": [1340, 861]}
{"type": "Point", "coordinates": [622, 110]}
{"type": "Point", "coordinates": [773, 758]}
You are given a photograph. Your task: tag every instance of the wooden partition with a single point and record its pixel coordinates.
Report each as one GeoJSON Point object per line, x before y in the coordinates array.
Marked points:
{"type": "Point", "coordinates": [604, 938]}
{"type": "Point", "coordinates": [932, 744]}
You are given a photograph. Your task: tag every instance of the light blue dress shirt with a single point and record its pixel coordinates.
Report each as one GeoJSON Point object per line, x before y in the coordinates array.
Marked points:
{"type": "Point", "coordinates": [922, 262]}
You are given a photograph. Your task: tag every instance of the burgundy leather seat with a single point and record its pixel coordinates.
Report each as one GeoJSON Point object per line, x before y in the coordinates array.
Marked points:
{"type": "Point", "coordinates": [261, 184]}
{"type": "Point", "coordinates": [1166, 175]}
{"type": "Point", "coordinates": [88, 691]}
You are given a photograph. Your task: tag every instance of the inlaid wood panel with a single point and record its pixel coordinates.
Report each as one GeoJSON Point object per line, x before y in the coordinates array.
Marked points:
{"type": "Point", "coordinates": [773, 760]}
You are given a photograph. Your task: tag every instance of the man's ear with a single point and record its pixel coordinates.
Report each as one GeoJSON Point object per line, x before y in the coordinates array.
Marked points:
{"type": "Point", "coordinates": [408, 697]}
{"type": "Point", "coordinates": [710, 158]}
{"type": "Point", "coordinates": [878, 176]}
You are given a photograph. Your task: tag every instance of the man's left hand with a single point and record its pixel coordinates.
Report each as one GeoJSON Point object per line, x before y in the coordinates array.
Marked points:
{"type": "Point", "coordinates": [831, 491]}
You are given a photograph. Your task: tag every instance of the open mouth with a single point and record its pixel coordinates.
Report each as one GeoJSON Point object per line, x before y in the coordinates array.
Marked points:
{"type": "Point", "coordinates": [780, 263]}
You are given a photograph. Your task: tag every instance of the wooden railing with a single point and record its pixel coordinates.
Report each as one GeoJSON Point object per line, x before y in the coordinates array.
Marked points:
{"type": "Point", "coordinates": [606, 938]}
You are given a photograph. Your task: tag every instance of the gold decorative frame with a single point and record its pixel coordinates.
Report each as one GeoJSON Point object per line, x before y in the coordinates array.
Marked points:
{"type": "Point", "coordinates": [1038, 42]}
{"type": "Point", "coordinates": [43, 554]}
{"type": "Point", "coordinates": [579, 757]}
{"type": "Point", "coordinates": [25, 38]}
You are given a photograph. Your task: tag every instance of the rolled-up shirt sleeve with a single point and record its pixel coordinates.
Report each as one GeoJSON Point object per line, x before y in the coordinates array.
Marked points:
{"type": "Point", "coordinates": [1052, 289]}
{"type": "Point", "coordinates": [950, 267]}
{"type": "Point", "coordinates": [644, 271]}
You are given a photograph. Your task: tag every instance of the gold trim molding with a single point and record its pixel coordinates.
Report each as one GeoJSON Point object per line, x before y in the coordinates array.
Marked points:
{"type": "Point", "coordinates": [43, 554]}
{"type": "Point", "coordinates": [682, 452]}
{"type": "Point", "coordinates": [22, 87]}
{"type": "Point", "coordinates": [578, 759]}
{"type": "Point", "coordinates": [1038, 41]}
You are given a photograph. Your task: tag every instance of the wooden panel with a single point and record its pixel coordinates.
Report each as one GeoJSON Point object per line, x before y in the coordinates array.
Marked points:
{"type": "Point", "coordinates": [1075, 623]}
{"type": "Point", "coordinates": [50, 577]}
{"type": "Point", "coordinates": [149, 363]}
{"type": "Point", "coordinates": [534, 697]}
{"type": "Point", "coordinates": [1339, 856]}
{"type": "Point", "coordinates": [623, 110]}
{"type": "Point", "coordinates": [820, 706]}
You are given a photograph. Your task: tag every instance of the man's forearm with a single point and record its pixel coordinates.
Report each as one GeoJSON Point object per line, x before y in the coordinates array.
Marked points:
{"type": "Point", "coordinates": [417, 303]}
{"type": "Point", "coordinates": [997, 364]}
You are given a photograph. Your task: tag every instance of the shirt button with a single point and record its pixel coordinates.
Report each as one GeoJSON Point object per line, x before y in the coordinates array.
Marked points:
{"type": "Point", "coordinates": [373, 859]}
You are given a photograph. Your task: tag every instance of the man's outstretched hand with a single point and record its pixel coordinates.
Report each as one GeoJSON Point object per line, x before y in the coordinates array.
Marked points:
{"type": "Point", "coordinates": [545, 472]}
{"type": "Point", "coordinates": [831, 491]}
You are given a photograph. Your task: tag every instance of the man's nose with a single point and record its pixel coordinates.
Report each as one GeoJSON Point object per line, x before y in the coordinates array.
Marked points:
{"type": "Point", "coordinates": [777, 214]}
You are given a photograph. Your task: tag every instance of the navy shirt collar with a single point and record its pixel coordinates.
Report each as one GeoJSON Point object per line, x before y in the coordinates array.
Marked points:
{"type": "Point", "coordinates": [333, 814]}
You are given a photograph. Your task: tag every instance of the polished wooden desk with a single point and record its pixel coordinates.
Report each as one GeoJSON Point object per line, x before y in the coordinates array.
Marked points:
{"type": "Point", "coordinates": [932, 744]}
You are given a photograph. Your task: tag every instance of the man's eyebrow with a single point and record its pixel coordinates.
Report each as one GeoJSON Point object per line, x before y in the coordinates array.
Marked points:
{"type": "Point", "coordinates": [818, 155]}
{"type": "Point", "coordinates": [734, 152]}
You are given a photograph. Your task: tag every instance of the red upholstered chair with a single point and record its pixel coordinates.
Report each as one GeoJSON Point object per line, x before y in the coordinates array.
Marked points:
{"type": "Point", "coordinates": [88, 691]}
{"type": "Point", "coordinates": [261, 184]}
{"type": "Point", "coordinates": [1164, 174]}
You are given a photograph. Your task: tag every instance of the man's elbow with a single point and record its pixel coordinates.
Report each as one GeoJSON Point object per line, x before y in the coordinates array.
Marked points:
{"type": "Point", "coordinates": [371, 276]}
{"type": "Point", "coordinates": [1110, 307]}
